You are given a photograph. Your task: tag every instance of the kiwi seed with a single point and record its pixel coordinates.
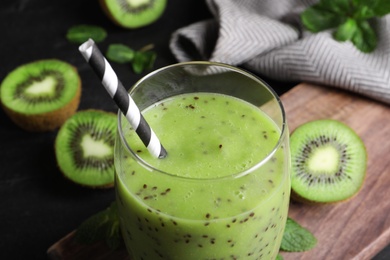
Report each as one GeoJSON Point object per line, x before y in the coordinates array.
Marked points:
{"type": "Point", "coordinates": [328, 162]}
{"type": "Point", "coordinates": [133, 13]}
{"type": "Point", "coordinates": [84, 148]}
{"type": "Point", "coordinates": [41, 95]}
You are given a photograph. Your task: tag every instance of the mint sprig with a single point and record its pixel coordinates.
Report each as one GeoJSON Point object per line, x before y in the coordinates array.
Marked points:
{"type": "Point", "coordinates": [120, 53]}
{"type": "Point", "coordinates": [140, 60]}
{"type": "Point", "coordinates": [103, 226]}
{"type": "Point", "coordinates": [351, 20]}
{"type": "Point", "coordinates": [297, 238]}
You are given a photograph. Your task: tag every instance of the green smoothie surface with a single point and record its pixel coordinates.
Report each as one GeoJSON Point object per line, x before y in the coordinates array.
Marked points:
{"type": "Point", "coordinates": [208, 135]}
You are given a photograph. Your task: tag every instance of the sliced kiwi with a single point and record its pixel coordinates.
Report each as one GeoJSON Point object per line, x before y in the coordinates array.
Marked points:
{"type": "Point", "coordinates": [84, 148]}
{"type": "Point", "coordinates": [328, 162]}
{"type": "Point", "coordinates": [133, 13]}
{"type": "Point", "coordinates": [41, 95]}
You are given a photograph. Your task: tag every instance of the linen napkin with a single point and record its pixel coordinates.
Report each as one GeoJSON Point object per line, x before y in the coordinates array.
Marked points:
{"type": "Point", "coordinates": [267, 37]}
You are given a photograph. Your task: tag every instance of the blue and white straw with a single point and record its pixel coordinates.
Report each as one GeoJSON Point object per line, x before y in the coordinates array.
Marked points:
{"type": "Point", "coordinates": [118, 93]}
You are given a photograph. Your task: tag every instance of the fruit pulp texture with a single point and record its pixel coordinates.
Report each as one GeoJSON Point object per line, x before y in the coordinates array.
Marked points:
{"type": "Point", "coordinates": [209, 138]}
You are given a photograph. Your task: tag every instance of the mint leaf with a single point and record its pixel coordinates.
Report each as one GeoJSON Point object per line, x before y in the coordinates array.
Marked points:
{"type": "Point", "coordinates": [120, 53]}
{"type": "Point", "coordinates": [365, 38]}
{"type": "Point", "coordinates": [340, 7]}
{"type": "Point", "coordinates": [140, 60]}
{"type": "Point", "coordinates": [92, 229]}
{"type": "Point", "coordinates": [346, 31]}
{"type": "Point", "coordinates": [365, 9]}
{"type": "Point", "coordinates": [364, 13]}
{"type": "Point", "coordinates": [360, 32]}
{"type": "Point", "coordinates": [350, 19]}
{"type": "Point", "coordinates": [103, 226]}
{"type": "Point", "coordinates": [143, 60]}
{"type": "Point", "coordinates": [382, 8]}
{"type": "Point", "coordinates": [114, 238]}
{"type": "Point", "coordinates": [81, 33]}
{"type": "Point", "coordinates": [317, 18]}
{"type": "Point", "coordinates": [296, 238]}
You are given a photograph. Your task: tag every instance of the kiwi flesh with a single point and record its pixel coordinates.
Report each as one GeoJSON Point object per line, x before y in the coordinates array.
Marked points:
{"type": "Point", "coordinates": [41, 95]}
{"type": "Point", "coordinates": [328, 160]}
{"type": "Point", "coordinates": [132, 14]}
{"type": "Point", "coordinates": [84, 148]}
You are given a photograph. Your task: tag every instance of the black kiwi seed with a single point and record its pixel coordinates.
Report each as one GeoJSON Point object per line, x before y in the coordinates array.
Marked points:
{"type": "Point", "coordinates": [328, 162]}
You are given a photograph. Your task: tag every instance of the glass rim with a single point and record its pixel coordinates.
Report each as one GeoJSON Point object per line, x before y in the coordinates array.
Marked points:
{"type": "Point", "coordinates": [238, 174]}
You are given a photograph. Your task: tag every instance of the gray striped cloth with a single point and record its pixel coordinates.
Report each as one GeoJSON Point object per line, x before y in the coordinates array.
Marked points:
{"type": "Point", "coordinates": [266, 36]}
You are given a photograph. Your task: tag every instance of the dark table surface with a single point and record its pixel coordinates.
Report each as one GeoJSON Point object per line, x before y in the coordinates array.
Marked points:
{"type": "Point", "coordinates": [38, 206]}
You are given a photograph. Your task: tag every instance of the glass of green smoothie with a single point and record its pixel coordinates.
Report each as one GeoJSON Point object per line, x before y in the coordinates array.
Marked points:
{"type": "Point", "coordinates": [223, 190]}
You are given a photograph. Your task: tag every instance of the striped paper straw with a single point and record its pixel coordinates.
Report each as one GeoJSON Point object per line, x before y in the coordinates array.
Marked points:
{"type": "Point", "coordinates": [126, 104]}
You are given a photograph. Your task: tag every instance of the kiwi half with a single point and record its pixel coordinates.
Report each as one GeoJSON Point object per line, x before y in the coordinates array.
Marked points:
{"type": "Point", "coordinates": [41, 95]}
{"type": "Point", "coordinates": [84, 148]}
{"type": "Point", "coordinates": [329, 162]}
{"type": "Point", "coordinates": [133, 14]}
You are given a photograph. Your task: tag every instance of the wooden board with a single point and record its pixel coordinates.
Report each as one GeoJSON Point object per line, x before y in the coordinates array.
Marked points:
{"type": "Point", "coordinates": [356, 229]}
{"type": "Point", "coordinates": [359, 228]}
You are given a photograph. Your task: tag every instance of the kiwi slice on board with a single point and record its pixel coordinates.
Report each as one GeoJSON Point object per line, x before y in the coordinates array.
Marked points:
{"type": "Point", "coordinates": [329, 162]}
{"type": "Point", "coordinates": [133, 14]}
{"type": "Point", "coordinates": [41, 95]}
{"type": "Point", "coordinates": [84, 148]}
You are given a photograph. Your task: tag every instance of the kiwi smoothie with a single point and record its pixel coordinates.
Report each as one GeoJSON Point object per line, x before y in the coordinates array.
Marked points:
{"type": "Point", "coordinates": [210, 198]}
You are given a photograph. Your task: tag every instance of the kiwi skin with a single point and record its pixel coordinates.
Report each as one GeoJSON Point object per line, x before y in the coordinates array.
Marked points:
{"type": "Point", "coordinates": [48, 121]}
{"type": "Point", "coordinates": [299, 199]}
{"type": "Point", "coordinates": [296, 197]}
{"type": "Point", "coordinates": [92, 187]}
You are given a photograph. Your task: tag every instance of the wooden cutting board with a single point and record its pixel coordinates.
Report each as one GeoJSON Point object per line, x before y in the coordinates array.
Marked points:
{"type": "Point", "coordinates": [359, 228]}
{"type": "Point", "coordinates": [356, 229]}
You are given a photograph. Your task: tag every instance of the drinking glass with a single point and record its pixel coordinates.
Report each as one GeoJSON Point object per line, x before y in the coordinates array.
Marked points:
{"type": "Point", "coordinates": [224, 212]}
